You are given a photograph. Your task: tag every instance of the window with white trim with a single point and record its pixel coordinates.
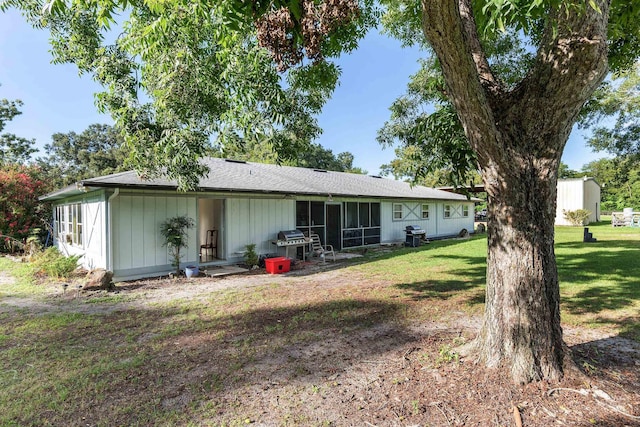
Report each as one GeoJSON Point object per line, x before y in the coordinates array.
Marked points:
{"type": "Point", "coordinates": [465, 210]}
{"type": "Point", "coordinates": [447, 211]}
{"type": "Point", "coordinates": [425, 211]}
{"type": "Point", "coordinates": [397, 211]}
{"type": "Point", "coordinates": [69, 223]}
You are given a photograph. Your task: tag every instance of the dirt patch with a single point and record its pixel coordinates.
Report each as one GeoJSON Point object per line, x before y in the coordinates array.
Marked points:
{"type": "Point", "coordinates": [371, 367]}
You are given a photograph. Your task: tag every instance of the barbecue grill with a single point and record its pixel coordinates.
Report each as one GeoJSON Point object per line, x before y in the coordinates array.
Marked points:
{"type": "Point", "coordinates": [414, 235]}
{"type": "Point", "coordinates": [292, 239]}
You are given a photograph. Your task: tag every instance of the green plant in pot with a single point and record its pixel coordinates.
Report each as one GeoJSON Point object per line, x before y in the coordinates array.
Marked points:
{"type": "Point", "coordinates": [250, 255]}
{"type": "Point", "coordinates": [175, 233]}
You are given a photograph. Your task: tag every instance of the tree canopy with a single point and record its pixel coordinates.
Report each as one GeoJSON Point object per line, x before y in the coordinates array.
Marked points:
{"type": "Point", "coordinates": [615, 113]}
{"type": "Point", "coordinates": [183, 77]}
{"type": "Point", "coordinates": [96, 151]}
{"type": "Point", "coordinates": [313, 156]}
{"type": "Point", "coordinates": [13, 149]}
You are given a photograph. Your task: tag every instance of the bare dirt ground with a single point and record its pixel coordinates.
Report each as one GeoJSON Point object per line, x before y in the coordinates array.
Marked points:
{"type": "Point", "coordinates": [387, 374]}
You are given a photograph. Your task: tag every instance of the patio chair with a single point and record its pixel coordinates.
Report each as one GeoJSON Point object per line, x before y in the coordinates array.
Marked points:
{"type": "Point", "coordinates": [211, 244]}
{"type": "Point", "coordinates": [318, 249]}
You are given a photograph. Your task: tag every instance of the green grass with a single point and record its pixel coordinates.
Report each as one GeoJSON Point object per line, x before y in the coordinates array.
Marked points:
{"type": "Point", "coordinates": [127, 366]}
{"type": "Point", "coordinates": [24, 284]}
{"type": "Point", "coordinates": [599, 282]}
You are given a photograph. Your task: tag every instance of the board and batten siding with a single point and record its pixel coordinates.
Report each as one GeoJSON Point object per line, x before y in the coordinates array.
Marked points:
{"type": "Point", "coordinates": [93, 250]}
{"type": "Point", "coordinates": [393, 230]}
{"type": "Point", "coordinates": [137, 243]}
{"type": "Point", "coordinates": [257, 221]}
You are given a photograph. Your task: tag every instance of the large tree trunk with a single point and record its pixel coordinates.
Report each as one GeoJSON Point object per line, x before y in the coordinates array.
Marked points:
{"type": "Point", "coordinates": [522, 315]}
{"type": "Point", "coordinates": [519, 136]}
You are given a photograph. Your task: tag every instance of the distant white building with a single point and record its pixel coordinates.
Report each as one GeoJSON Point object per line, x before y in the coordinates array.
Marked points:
{"type": "Point", "coordinates": [578, 193]}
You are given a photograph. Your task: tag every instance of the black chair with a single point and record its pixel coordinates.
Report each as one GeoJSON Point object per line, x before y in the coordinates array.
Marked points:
{"type": "Point", "coordinates": [211, 244]}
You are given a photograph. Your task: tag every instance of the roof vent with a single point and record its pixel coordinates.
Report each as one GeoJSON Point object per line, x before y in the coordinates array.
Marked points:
{"type": "Point", "coordinates": [320, 170]}
{"type": "Point", "coordinates": [235, 161]}
{"type": "Point", "coordinates": [375, 176]}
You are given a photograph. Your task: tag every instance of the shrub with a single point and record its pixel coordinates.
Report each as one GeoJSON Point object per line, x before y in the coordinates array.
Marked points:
{"type": "Point", "coordinates": [577, 217]}
{"type": "Point", "coordinates": [250, 255]}
{"type": "Point", "coordinates": [20, 209]}
{"type": "Point", "coordinates": [174, 231]}
{"type": "Point", "coordinates": [54, 264]}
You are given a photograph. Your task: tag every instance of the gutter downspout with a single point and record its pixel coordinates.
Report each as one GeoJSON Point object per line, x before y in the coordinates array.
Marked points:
{"type": "Point", "coordinates": [110, 229]}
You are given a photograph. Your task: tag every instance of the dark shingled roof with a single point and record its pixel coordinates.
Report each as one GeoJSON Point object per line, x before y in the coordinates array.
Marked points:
{"type": "Point", "coordinates": [233, 176]}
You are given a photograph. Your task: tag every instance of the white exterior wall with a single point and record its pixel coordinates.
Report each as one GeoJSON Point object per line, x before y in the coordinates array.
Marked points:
{"type": "Point", "coordinates": [574, 194]}
{"type": "Point", "coordinates": [94, 241]}
{"type": "Point", "coordinates": [256, 221]}
{"type": "Point", "coordinates": [592, 199]}
{"type": "Point", "coordinates": [393, 230]}
{"type": "Point", "coordinates": [136, 239]}
{"type": "Point", "coordinates": [570, 198]}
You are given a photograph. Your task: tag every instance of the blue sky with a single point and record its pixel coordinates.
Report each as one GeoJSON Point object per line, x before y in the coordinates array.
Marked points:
{"type": "Point", "coordinates": [56, 99]}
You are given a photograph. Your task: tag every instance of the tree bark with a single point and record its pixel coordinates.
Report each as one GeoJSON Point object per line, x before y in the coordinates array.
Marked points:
{"type": "Point", "coordinates": [519, 136]}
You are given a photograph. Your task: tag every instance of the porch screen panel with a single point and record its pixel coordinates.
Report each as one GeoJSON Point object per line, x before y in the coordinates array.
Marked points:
{"type": "Point", "coordinates": [302, 213]}
{"type": "Point", "coordinates": [375, 214]}
{"type": "Point", "coordinates": [317, 213]}
{"type": "Point", "coordinates": [364, 215]}
{"type": "Point", "coordinates": [351, 215]}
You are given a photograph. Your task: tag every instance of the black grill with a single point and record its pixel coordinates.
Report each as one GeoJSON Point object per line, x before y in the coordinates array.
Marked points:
{"type": "Point", "coordinates": [414, 235]}
{"type": "Point", "coordinates": [290, 235]}
{"type": "Point", "coordinates": [291, 238]}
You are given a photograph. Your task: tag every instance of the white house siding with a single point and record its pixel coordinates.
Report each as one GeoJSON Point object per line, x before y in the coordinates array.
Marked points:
{"type": "Point", "coordinates": [94, 237]}
{"type": "Point", "coordinates": [135, 227]}
{"type": "Point", "coordinates": [393, 230]}
{"type": "Point", "coordinates": [257, 221]}
{"type": "Point", "coordinates": [592, 199]}
{"type": "Point", "coordinates": [93, 247]}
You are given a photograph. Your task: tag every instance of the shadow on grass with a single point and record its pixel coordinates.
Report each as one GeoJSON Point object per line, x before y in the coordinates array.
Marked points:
{"type": "Point", "coordinates": [616, 263]}
{"type": "Point", "coordinates": [469, 281]}
{"type": "Point", "coordinates": [155, 366]}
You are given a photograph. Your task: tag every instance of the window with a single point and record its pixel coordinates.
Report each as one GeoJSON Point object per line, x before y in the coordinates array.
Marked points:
{"type": "Point", "coordinates": [425, 211]}
{"type": "Point", "coordinates": [69, 223]}
{"type": "Point", "coordinates": [465, 210]}
{"type": "Point", "coordinates": [447, 211]}
{"type": "Point", "coordinates": [397, 211]}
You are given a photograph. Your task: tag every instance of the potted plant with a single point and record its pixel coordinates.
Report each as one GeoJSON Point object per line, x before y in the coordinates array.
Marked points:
{"type": "Point", "coordinates": [191, 270]}
{"type": "Point", "coordinates": [174, 231]}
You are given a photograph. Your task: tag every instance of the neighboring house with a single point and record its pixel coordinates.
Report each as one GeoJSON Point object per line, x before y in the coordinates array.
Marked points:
{"type": "Point", "coordinates": [114, 220]}
{"type": "Point", "coordinates": [578, 193]}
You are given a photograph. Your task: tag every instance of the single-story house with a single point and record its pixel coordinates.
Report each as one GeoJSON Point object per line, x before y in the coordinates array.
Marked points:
{"type": "Point", "coordinates": [114, 221]}
{"type": "Point", "coordinates": [578, 193]}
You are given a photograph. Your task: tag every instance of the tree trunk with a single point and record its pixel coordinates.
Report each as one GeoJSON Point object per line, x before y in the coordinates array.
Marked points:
{"type": "Point", "coordinates": [519, 135]}
{"type": "Point", "coordinates": [521, 326]}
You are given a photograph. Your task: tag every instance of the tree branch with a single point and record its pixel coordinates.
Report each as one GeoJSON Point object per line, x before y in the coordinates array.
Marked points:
{"type": "Point", "coordinates": [450, 28]}
{"type": "Point", "coordinates": [571, 63]}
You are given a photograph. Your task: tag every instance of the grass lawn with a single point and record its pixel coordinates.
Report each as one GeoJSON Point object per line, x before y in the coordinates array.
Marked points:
{"type": "Point", "coordinates": [599, 282]}
{"type": "Point", "coordinates": [124, 359]}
